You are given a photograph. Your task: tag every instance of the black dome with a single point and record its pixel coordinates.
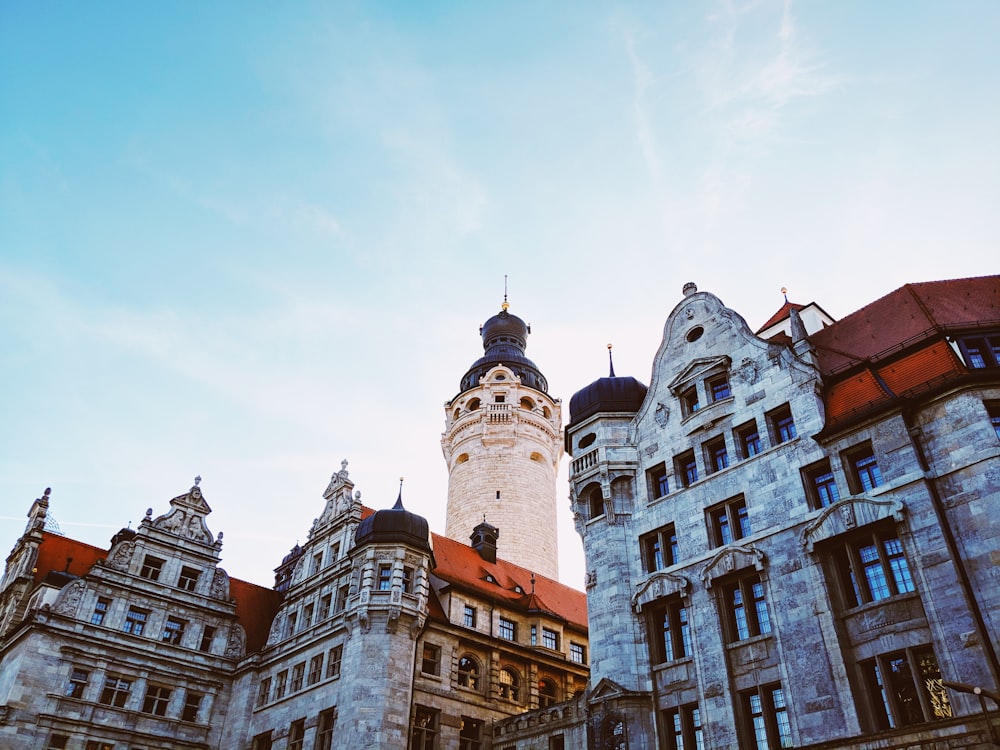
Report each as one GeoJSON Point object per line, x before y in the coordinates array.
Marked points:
{"type": "Point", "coordinates": [505, 337]}
{"type": "Point", "coordinates": [394, 525]}
{"type": "Point", "coordinates": [606, 395]}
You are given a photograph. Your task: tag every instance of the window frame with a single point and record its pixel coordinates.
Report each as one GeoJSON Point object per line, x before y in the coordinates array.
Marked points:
{"type": "Point", "coordinates": [770, 717]}
{"type": "Point", "coordinates": [315, 673]}
{"type": "Point", "coordinates": [684, 727]}
{"type": "Point", "coordinates": [577, 653]}
{"type": "Point", "coordinates": [690, 401]}
{"type": "Point", "coordinates": [744, 605]}
{"type": "Point", "coordinates": [547, 696]}
{"type": "Point", "coordinates": [298, 677]}
{"type": "Point", "coordinates": [550, 639]}
{"type": "Point", "coordinates": [430, 659]}
{"type": "Point", "coordinates": [732, 516]}
{"type": "Point", "coordinates": [670, 631]}
{"type": "Point", "coordinates": [263, 692]}
{"type": "Point", "coordinates": [856, 585]}
{"type": "Point", "coordinates": [156, 700]}
{"type": "Point", "coordinates": [716, 454]}
{"type": "Point", "coordinates": [509, 690]}
{"type": "Point", "coordinates": [76, 683]}
{"type": "Point", "coordinates": [882, 706]}
{"type": "Point", "coordinates": [116, 691]}
{"type": "Point", "coordinates": [713, 390]}
{"type": "Point", "coordinates": [101, 607]}
{"type": "Point", "coordinates": [983, 356]}
{"type": "Point", "coordinates": [748, 440]}
{"type": "Point", "coordinates": [151, 568]}
{"type": "Point", "coordinates": [207, 637]}
{"type": "Point", "coordinates": [820, 484]}
{"type": "Point", "coordinates": [297, 734]}
{"type": "Point", "coordinates": [469, 672]}
{"type": "Point", "coordinates": [469, 616]}
{"type": "Point", "coordinates": [324, 729]}
{"type": "Point", "coordinates": [658, 481]}
{"type": "Point", "coordinates": [470, 734]}
{"type": "Point", "coordinates": [424, 728]}
{"type": "Point", "coordinates": [136, 621]}
{"type": "Point", "coordinates": [506, 629]}
{"type": "Point", "coordinates": [192, 706]}
{"type": "Point", "coordinates": [383, 581]}
{"type": "Point", "coordinates": [659, 548]}
{"type": "Point", "coordinates": [173, 630]}
{"type": "Point", "coordinates": [863, 471]}
{"type": "Point", "coordinates": [993, 412]}
{"type": "Point", "coordinates": [781, 425]}
{"type": "Point", "coordinates": [188, 578]}
{"type": "Point", "coordinates": [686, 468]}
{"type": "Point", "coordinates": [335, 656]}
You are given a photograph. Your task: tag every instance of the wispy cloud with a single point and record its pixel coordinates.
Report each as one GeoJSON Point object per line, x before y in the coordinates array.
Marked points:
{"type": "Point", "coordinates": [643, 80]}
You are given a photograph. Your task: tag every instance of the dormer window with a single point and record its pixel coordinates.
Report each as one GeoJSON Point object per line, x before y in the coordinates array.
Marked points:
{"type": "Point", "coordinates": [718, 388]}
{"type": "Point", "coordinates": [490, 579]}
{"type": "Point", "coordinates": [980, 352]}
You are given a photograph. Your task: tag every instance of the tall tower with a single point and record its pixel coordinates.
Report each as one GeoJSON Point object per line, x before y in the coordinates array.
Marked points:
{"type": "Point", "coordinates": [503, 442]}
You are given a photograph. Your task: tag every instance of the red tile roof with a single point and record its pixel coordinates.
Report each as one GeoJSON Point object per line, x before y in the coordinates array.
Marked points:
{"type": "Point", "coordinates": [55, 550]}
{"type": "Point", "coordinates": [782, 313]}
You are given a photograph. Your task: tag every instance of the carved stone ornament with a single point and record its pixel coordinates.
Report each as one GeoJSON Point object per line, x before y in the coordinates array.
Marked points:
{"type": "Point", "coordinates": [185, 523]}
{"type": "Point", "coordinates": [220, 584]}
{"type": "Point", "coordinates": [121, 556]}
{"type": "Point", "coordinates": [730, 558]}
{"type": "Point", "coordinates": [591, 579]}
{"type": "Point", "coordinates": [847, 514]}
{"type": "Point", "coordinates": [69, 598]}
{"type": "Point", "coordinates": [274, 635]}
{"type": "Point", "coordinates": [662, 414]}
{"type": "Point", "coordinates": [236, 645]}
{"type": "Point", "coordinates": [748, 371]}
{"type": "Point", "coordinates": [657, 586]}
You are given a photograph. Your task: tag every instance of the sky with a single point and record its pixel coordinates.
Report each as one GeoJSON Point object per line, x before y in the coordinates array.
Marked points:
{"type": "Point", "coordinates": [247, 240]}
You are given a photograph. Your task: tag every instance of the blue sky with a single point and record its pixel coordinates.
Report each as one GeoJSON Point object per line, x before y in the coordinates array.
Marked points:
{"type": "Point", "coordinates": [248, 240]}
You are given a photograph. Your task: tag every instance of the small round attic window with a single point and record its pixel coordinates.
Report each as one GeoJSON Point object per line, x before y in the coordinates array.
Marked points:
{"type": "Point", "coordinates": [694, 334]}
{"type": "Point", "coordinates": [500, 376]}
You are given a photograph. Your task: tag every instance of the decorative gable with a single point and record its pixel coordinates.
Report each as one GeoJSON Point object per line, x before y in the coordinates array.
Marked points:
{"type": "Point", "coordinates": [699, 369]}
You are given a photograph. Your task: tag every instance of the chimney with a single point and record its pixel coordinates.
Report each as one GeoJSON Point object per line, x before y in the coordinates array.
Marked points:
{"type": "Point", "coordinates": [484, 541]}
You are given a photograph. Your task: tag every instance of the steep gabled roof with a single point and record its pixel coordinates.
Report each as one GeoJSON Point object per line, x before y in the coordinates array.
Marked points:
{"type": "Point", "coordinates": [783, 312]}
{"type": "Point", "coordinates": [62, 554]}
{"type": "Point", "coordinates": [256, 607]}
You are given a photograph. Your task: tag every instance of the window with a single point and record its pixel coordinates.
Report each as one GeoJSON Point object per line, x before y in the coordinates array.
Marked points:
{"type": "Point", "coordinates": [98, 745]}
{"type": "Point", "coordinates": [782, 425]}
{"type": "Point", "coordinates": [262, 741]}
{"type": "Point", "coordinates": [547, 693]}
{"type": "Point", "coordinates": [333, 663]}
{"type": "Point", "coordinates": [993, 409]}
{"type": "Point", "coordinates": [307, 615]}
{"type": "Point", "coordinates": [684, 728]}
{"type": "Point", "coordinates": [821, 486]}
{"type": "Point", "coordinates": [298, 672]}
{"type": "Point", "coordinates": [431, 662]}
{"type": "Point", "coordinates": [905, 688]}
{"type": "Point", "coordinates": [577, 653]}
{"type": "Point", "coordinates": [264, 691]}
{"type": "Point", "coordinates": [659, 548]}
{"type": "Point", "coordinates": [872, 567]}
{"type": "Point", "coordinates": [342, 594]}
{"type": "Point", "coordinates": [745, 608]}
{"type": "Point", "coordinates": [469, 618]}
{"type": "Point", "coordinates": [100, 611]}
{"type": "Point", "coordinates": [292, 623]}
{"type": "Point", "coordinates": [689, 401]}
{"type": "Point", "coordinates": [207, 636]}
{"type": "Point", "coordinates": [135, 621]}
{"type": "Point", "coordinates": [557, 742]}
{"type": "Point", "coordinates": [686, 468]}
{"type": "Point", "coordinates": [595, 503]}
{"type": "Point", "coordinates": [748, 440]}
{"type": "Point", "coordinates": [718, 388]}
{"type": "Point", "coordinates": [981, 352]}
{"type": "Point", "coordinates": [766, 717]}
{"type": "Point", "coordinates": [510, 685]}
{"type": "Point", "coordinates": [470, 736]}
{"type": "Point", "coordinates": [57, 742]}
{"type": "Point", "coordinates": [865, 474]}
{"type": "Point", "coordinates": [192, 704]}
{"type": "Point", "coordinates": [77, 682]}
{"type": "Point", "coordinates": [507, 629]}
{"type": "Point", "coordinates": [550, 639]}
{"type": "Point", "coordinates": [728, 522]}
{"type": "Point", "coordinates": [468, 672]}
{"type": "Point", "coordinates": [173, 630]}
{"type": "Point", "coordinates": [384, 577]}
{"type": "Point", "coordinates": [151, 568]}
{"type": "Point", "coordinates": [425, 729]}
{"type": "Point", "coordinates": [280, 683]}
{"type": "Point", "coordinates": [324, 730]}
{"type": "Point", "coordinates": [296, 734]}
{"type": "Point", "coordinates": [716, 455]}
{"type": "Point", "coordinates": [188, 578]}
{"type": "Point", "coordinates": [670, 631]}
{"type": "Point", "coordinates": [407, 580]}
{"type": "Point", "coordinates": [317, 562]}
{"type": "Point", "coordinates": [116, 690]}
{"type": "Point", "coordinates": [157, 698]}
{"type": "Point", "coordinates": [315, 669]}
{"type": "Point", "coordinates": [656, 478]}
{"type": "Point", "coordinates": [324, 607]}
{"type": "Point", "coordinates": [534, 635]}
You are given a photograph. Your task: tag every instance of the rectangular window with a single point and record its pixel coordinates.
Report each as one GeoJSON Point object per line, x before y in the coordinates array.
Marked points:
{"type": "Point", "coordinates": [820, 484]}
{"type": "Point", "coordinates": [684, 728]}
{"type": "Point", "coordinates": [745, 608]}
{"type": "Point", "coordinates": [557, 742]}
{"type": "Point", "coordinates": [324, 607]}
{"type": "Point", "coordinates": [292, 622]}
{"type": "Point", "coordinates": [718, 387]}
{"type": "Point", "coordinates": [656, 479]}
{"type": "Point", "coordinates": [993, 409]}
{"type": "Point", "coordinates": [173, 630]}
{"type": "Point", "coordinates": [264, 692]}
{"type": "Point", "coordinates": [298, 672]}
{"type": "Point", "coordinates": [98, 745]}
{"type": "Point", "coordinates": [748, 440]}
{"type": "Point", "coordinates": [469, 617]}
{"type": "Point", "coordinates": [333, 662]}
{"type": "Point", "coordinates": [534, 635]}
{"type": "Point", "coordinates": [57, 742]}
{"type": "Point", "coordinates": [100, 611]}
{"type": "Point", "coordinates": [296, 734]}
{"type": "Point", "coordinates": [470, 736]}
{"type": "Point", "coordinates": [407, 580]}
{"type": "Point", "coordinates": [716, 455]}
{"type": "Point", "coordinates": [550, 639]}
{"type": "Point", "coordinates": [981, 352]}
{"type": "Point", "coordinates": [423, 735]}
{"type": "Point", "coordinates": [77, 682]}
{"type": "Point", "coordinates": [315, 669]}
{"type": "Point", "coordinates": [431, 662]}
{"type": "Point", "coordinates": [728, 522]}
{"type": "Point", "coordinates": [905, 688]}
{"type": "Point", "coordinates": [781, 424]}
{"type": "Point", "coordinates": [317, 562]}
{"type": "Point", "coordinates": [864, 472]}
{"type": "Point", "coordinates": [334, 554]}
{"type": "Point", "coordinates": [507, 629]}
{"type": "Point", "coordinates": [151, 568]}
{"type": "Point", "coordinates": [577, 653]}
{"type": "Point", "coordinates": [872, 567]}
{"type": "Point", "coordinates": [342, 594]}
{"type": "Point", "coordinates": [207, 636]}
{"type": "Point", "coordinates": [135, 621]}
{"type": "Point", "coordinates": [384, 577]}
{"type": "Point", "coordinates": [670, 631]}
{"type": "Point", "coordinates": [686, 469]}
{"type": "Point", "coordinates": [766, 718]}
{"type": "Point", "coordinates": [188, 578]}
{"type": "Point", "coordinates": [689, 401]}
{"type": "Point", "coordinates": [280, 684]}
{"type": "Point", "coordinates": [307, 615]}
{"type": "Point", "coordinates": [116, 690]}
{"type": "Point", "coordinates": [324, 730]}
{"type": "Point", "coordinates": [156, 700]}
{"type": "Point", "coordinates": [192, 704]}
{"type": "Point", "coordinates": [659, 548]}
{"type": "Point", "coordinates": [262, 741]}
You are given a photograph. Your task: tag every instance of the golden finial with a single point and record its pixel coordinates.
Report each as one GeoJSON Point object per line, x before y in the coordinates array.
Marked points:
{"type": "Point", "coordinates": [504, 306]}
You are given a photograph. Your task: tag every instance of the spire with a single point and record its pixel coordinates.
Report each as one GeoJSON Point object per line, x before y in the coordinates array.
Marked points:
{"type": "Point", "coordinates": [505, 304]}
{"type": "Point", "coordinates": [611, 363]}
{"type": "Point", "coordinates": [399, 497]}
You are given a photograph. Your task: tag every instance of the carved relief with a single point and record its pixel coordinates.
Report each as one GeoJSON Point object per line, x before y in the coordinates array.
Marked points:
{"type": "Point", "coordinates": [220, 584]}
{"type": "Point", "coordinates": [275, 633]}
{"type": "Point", "coordinates": [236, 645]}
{"type": "Point", "coordinates": [121, 556]}
{"type": "Point", "coordinates": [657, 586]}
{"type": "Point", "coordinates": [69, 598]}
{"type": "Point", "coordinates": [662, 414]}
{"type": "Point", "coordinates": [732, 558]}
{"type": "Point", "coordinates": [847, 514]}
{"type": "Point", "coordinates": [748, 371]}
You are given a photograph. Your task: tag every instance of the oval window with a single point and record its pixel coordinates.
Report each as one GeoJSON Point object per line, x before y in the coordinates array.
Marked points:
{"type": "Point", "coordinates": [587, 440]}
{"type": "Point", "coordinates": [695, 333]}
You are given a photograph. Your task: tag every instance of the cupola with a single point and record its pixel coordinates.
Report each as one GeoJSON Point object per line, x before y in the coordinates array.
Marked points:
{"type": "Point", "coordinates": [395, 525]}
{"type": "Point", "coordinates": [505, 337]}
{"type": "Point", "coordinates": [610, 394]}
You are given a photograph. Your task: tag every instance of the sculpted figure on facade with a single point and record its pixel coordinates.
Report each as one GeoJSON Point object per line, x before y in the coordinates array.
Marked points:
{"type": "Point", "coordinates": [69, 598]}
{"type": "Point", "coordinates": [220, 584]}
{"type": "Point", "coordinates": [121, 556]}
{"type": "Point", "coordinates": [236, 644]}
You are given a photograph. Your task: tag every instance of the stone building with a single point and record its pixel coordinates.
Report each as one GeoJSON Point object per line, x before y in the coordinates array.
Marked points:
{"type": "Point", "coordinates": [792, 537]}
{"type": "Point", "coordinates": [377, 633]}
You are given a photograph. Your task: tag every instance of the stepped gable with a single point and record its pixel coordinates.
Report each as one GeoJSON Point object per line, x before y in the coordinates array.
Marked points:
{"type": "Point", "coordinates": [460, 565]}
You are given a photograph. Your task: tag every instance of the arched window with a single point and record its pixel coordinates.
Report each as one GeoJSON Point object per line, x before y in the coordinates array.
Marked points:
{"type": "Point", "coordinates": [595, 503]}
{"type": "Point", "coordinates": [468, 672]}
{"type": "Point", "coordinates": [510, 685]}
{"type": "Point", "coordinates": [474, 404]}
{"type": "Point", "coordinates": [547, 693]}
{"type": "Point", "coordinates": [527, 403]}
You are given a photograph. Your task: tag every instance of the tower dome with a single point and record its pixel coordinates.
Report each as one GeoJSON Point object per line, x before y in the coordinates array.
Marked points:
{"type": "Point", "coordinates": [395, 525]}
{"type": "Point", "coordinates": [505, 337]}
{"type": "Point", "coordinates": [613, 394]}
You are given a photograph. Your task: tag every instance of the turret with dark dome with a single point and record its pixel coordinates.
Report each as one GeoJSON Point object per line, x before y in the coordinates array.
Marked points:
{"type": "Point", "coordinates": [394, 525]}
{"type": "Point", "coordinates": [505, 337]}
{"type": "Point", "coordinates": [605, 395]}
